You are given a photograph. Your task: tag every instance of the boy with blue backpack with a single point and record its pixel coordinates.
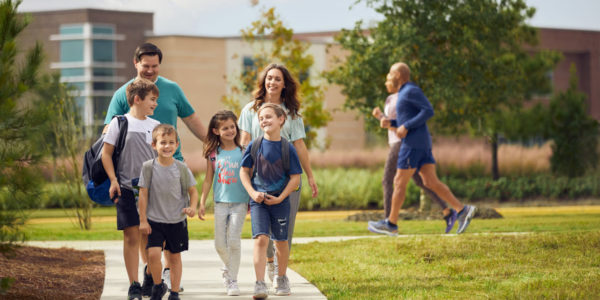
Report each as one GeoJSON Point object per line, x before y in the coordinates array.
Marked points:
{"type": "Point", "coordinates": [269, 176]}
{"type": "Point", "coordinates": [142, 97]}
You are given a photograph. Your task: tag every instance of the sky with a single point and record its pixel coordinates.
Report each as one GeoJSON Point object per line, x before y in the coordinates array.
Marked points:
{"type": "Point", "coordinates": [220, 18]}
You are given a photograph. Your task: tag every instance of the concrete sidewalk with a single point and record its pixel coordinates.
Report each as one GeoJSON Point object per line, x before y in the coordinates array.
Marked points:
{"type": "Point", "coordinates": [201, 270]}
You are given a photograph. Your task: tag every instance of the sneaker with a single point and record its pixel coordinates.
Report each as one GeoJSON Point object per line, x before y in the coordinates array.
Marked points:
{"type": "Point", "coordinates": [383, 227]}
{"type": "Point", "coordinates": [464, 217]}
{"type": "Point", "coordinates": [283, 286]}
{"type": "Point", "coordinates": [135, 291]}
{"type": "Point", "coordinates": [271, 270]}
{"type": "Point", "coordinates": [166, 276]}
{"type": "Point", "coordinates": [174, 296]}
{"type": "Point", "coordinates": [233, 289]}
{"type": "Point", "coordinates": [450, 220]}
{"type": "Point", "coordinates": [158, 291]}
{"type": "Point", "coordinates": [260, 290]}
{"type": "Point", "coordinates": [148, 283]}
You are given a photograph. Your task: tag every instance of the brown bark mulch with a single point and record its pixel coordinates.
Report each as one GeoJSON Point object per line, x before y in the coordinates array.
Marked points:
{"type": "Point", "coordinates": [64, 273]}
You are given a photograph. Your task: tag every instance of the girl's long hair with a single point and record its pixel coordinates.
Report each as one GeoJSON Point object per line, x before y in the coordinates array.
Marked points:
{"type": "Point", "coordinates": [213, 141]}
{"type": "Point", "coordinates": [289, 94]}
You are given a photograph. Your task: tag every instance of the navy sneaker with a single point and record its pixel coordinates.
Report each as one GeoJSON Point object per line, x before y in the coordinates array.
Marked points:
{"type": "Point", "coordinates": [147, 284]}
{"type": "Point", "coordinates": [450, 220]}
{"type": "Point", "coordinates": [135, 291]}
{"type": "Point", "coordinates": [383, 227]}
{"type": "Point", "coordinates": [464, 218]}
{"type": "Point", "coordinates": [158, 291]}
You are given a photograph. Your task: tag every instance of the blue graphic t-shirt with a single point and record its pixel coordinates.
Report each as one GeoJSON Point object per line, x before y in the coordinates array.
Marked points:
{"type": "Point", "coordinates": [227, 186]}
{"type": "Point", "coordinates": [270, 174]}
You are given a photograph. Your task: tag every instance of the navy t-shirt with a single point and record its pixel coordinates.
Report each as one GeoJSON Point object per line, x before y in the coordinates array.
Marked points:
{"type": "Point", "coordinates": [270, 173]}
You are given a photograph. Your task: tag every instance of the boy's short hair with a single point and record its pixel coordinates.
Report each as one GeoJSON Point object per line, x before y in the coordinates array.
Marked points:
{"type": "Point", "coordinates": [162, 130]}
{"type": "Point", "coordinates": [147, 49]}
{"type": "Point", "coordinates": [140, 87]}
{"type": "Point", "coordinates": [279, 111]}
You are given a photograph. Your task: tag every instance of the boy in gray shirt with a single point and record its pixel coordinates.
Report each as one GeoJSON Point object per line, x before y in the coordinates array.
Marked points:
{"type": "Point", "coordinates": [167, 194]}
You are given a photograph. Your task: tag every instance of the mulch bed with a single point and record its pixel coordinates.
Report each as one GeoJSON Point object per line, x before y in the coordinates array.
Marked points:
{"type": "Point", "coordinates": [42, 273]}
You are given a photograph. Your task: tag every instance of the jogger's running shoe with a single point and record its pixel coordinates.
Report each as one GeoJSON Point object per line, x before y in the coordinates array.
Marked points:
{"type": "Point", "coordinates": [450, 220]}
{"type": "Point", "coordinates": [166, 276]}
{"type": "Point", "coordinates": [464, 218]}
{"type": "Point", "coordinates": [383, 227]}
{"type": "Point", "coordinates": [158, 291]}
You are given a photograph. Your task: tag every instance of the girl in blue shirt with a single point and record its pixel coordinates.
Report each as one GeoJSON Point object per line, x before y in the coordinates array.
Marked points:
{"type": "Point", "coordinates": [223, 154]}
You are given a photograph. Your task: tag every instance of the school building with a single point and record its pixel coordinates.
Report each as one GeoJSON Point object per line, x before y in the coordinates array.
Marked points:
{"type": "Point", "coordinates": [93, 50]}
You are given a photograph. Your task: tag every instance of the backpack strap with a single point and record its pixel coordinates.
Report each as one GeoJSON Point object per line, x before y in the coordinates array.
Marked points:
{"type": "Point", "coordinates": [122, 120]}
{"type": "Point", "coordinates": [254, 152]}
{"type": "Point", "coordinates": [184, 179]}
{"type": "Point", "coordinates": [285, 155]}
{"type": "Point", "coordinates": [147, 168]}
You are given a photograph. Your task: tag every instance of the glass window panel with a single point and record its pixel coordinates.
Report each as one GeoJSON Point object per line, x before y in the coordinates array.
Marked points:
{"type": "Point", "coordinates": [71, 51]}
{"type": "Point", "coordinates": [103, 72]}
{"type": "Point", "coordinates": [71, 72]}
{"type": "Point", "coordinates": [104, 86]}
{"type": "Point", "coordinates": [103, 50]}
{"type": "Point", "coordinates": [78, 85]}
{"type": "Point", "coordinates": [103, 29]}
{"type": "Point", "coordinates": [71, 29]}
{"type": "Point", "coordinates": [100, 107]}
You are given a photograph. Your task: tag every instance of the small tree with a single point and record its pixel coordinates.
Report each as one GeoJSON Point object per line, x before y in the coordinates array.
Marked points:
{"type": "Point", "coordinates": [21, 122]}
{"type": "Point", "coordinates": [573, 130]}
{"type": "Point", "coordinates": [65, 141]}
{"type": "Point", "coordinates": [273, 42]}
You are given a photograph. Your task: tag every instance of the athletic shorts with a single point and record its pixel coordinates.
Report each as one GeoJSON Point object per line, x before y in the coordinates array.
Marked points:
{"type": "Point", "coordinates": [413, 158]}
{"type": "Point", "coordinates": [173, 236]}
{"type": "Point", "coordinates": [270, 219]}
{"type": "Point", "coordinates": [127, 212]}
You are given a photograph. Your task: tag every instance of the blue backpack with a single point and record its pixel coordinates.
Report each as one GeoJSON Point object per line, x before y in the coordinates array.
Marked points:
{"type": "Point", "coordinates": [94, 176]}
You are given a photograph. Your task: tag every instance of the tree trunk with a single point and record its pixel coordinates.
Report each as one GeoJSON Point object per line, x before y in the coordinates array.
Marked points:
{"type": "Point", "coordinates": [494, 143]}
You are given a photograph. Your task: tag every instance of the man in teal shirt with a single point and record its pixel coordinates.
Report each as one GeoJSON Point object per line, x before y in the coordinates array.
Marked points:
{"type": "Point", "coordinates": [172, 103]}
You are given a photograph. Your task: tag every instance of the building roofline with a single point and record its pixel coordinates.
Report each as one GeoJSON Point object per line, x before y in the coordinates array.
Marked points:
{"type": "Point", "coordinates": [77, 10]}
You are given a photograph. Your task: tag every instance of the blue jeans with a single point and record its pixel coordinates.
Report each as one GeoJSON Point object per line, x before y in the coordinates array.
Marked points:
{"type": "Point", "coordinates": [272, 219]}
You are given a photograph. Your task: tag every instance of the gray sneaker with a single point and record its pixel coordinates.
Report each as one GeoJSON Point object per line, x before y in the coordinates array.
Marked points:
{"type": "Point", "coordinates": [226, 277]}
{"type": "Point", "coordinates": [260, 290]}
{"type": "Point", "coordinates": [283, 286]}
{"type": "Point", "coordinates": [233, 289]}
{"type": "Point", "coordinates": [383, 227]}
{"type": "Point", "coordinates": [464, 218]}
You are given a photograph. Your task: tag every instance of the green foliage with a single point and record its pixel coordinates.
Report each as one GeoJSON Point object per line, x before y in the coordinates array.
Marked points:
{"type": "Point", "coordinates": [466, 55]}
{"type": "Point", "coordinates": [574, 131]}
{"type": "Point", "coordinates": [292, 53]}
{"type": "Point", "coordinates": [21, 123]}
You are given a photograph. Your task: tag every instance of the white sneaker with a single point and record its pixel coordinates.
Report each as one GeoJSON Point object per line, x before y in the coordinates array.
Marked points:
{"type": "Point", "coordinates": [233, 289]}
{"type": "Point", "coordinates": [260, 290]}
{"type": "Point", "coordinates": [271, 270]}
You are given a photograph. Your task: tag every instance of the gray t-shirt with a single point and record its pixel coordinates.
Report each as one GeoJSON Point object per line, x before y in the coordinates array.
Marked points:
{"type": "Point", "coordinates": [165, 200]}
{"type": "Point", "coordinates": [137, 149]}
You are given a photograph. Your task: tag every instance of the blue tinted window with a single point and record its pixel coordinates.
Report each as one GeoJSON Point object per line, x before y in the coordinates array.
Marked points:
{"type": "Point", "coordinates": [103, 86]}
{"type": "Point", "coordinates": [71, 72]}
{"type": "Point", "coordinates": [71, 51]}
{"type": "Point", "coordinates": [103, 50]}
{"type": "Point", "coordinates": [71, 29]}
{"type": "Point", "coordinates": [78, 85]}
{"type": "Point", "coordinates": [102, 29]}
{"type": "Point", "coordinates": [103, 72]}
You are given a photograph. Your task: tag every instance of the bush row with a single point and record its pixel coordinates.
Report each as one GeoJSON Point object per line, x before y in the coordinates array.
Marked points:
{"type": "Point", "coordinates": [343, 188]}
